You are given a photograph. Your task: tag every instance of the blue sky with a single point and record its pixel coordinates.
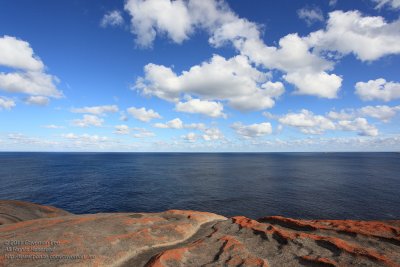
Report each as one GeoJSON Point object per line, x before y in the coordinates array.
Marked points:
{"type": "Point", "coordinates": [161, 75]}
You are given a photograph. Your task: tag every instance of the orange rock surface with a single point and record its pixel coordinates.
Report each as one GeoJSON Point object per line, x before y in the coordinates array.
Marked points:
{"type": "Point", "coordinates": [35, 235]}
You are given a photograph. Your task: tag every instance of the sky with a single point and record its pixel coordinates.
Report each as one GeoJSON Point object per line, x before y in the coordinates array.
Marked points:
{"type": "Point", "coordinates": [200, 76]}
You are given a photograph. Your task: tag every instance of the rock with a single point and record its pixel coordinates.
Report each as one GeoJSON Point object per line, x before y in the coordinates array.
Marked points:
{"type": "Point", "coordinates": [192, 238]}
{"type": "Point", "coordinates": [12, 211]}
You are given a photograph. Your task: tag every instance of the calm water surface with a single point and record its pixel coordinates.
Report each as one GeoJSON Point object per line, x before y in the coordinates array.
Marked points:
{"type": "Point", "coordinates": [301, 185]}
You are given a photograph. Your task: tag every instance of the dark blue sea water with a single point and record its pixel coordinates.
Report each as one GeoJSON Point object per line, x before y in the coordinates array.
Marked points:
{"type": "Point", "coordinates": [300, 185]}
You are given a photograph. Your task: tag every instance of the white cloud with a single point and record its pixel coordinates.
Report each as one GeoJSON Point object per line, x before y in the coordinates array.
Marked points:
{"type": "Point", "coordinates": [53, 126]}
{"type": "Point", "coordinates": [6, 103]}
{"type": "Point", "coordinates": [359, 125]}
{"type": "Point", "coordinates": [394, 4]}
{"type": "Point", "coordinates": [178, 124]}
{"type": "Point", "coordinates": [302, 59]}
{"type": "Point", "coordinates": [122, 129]}
{"type": "Point", "coordinates": [310, 15]}
{"type": "Point", "coordinates": [383, 113]}
{"type": "Point", "coordinates": [213, 134]}
{"type": "Point", "coordinates": [293, 56]}
{"type": "Point", "coordinates": [233, 80]}
{"type": "Point", "coordinates": [332, 2]}
{"type": "Point", "coordinates": [138, 132]}
{"type": "Point", "coordinates": [31, 83]}
{"type": "Point", "coordinates": [15, 53]}
{"type": "Point", "coordinates": [308, 83]}
{"type": "Point", "coordinates": [21, 139]}
{"type": "Point", "coordinates": [344, 114]}
{"type": "Point", "coordinates": [143, 133]}
{"type": "Point", "coordinates": [253, 130]}
{"type": "Point", "coordinates": [112, 18]}
{"type": "Point", "coordinates": [85, 138]}
{"type": "Point", "coordinates": [307, 71]}
{"type": "Point", "coordinates": [195, 126]}
{"type": "Point", "coordinates": [163, 16]}
{"type": "Point", "coordinates": [29, 76]}
{"type": "Point", "coordinates": [88, 120]}
{"type": "Point", "coordinates": [307, 122]}
{"type": "Point", "coordinates": [190, 137]}
{"type": "Point", "coordinates": [143, 114]}
{"type": "Point", "coordinates": [178, 19]}
{"type": "Point", "coordinates": [172, 124]}
{"type": "Point", "coordinates": [269, 115]}
{"type": "Point", "coordinates": [37, 100]}
{"type": "Point", "coordinates": [96, 110]}
{"type": "Point", "coordinates": [204, 107]}
{"type": "Point", "coordinates": [378, 89]}
{"type": "Point", "coordinates": [368, 38]}
{"type": "Point", "coordinates": [123, 116]}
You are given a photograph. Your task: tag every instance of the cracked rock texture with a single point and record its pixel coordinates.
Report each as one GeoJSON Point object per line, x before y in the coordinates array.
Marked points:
{"type": "Point", "coordinates": [35, 235]}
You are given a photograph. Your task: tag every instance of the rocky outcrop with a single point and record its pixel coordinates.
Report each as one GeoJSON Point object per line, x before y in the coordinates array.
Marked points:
{"type": "Point", "coordinates": [12, 211]}
{"type": "Point", "coordinates": [189, 238]}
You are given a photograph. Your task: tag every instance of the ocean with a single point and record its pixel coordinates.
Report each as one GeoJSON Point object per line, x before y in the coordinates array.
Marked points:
{"type": "Point", "coordinates": [300, 185]}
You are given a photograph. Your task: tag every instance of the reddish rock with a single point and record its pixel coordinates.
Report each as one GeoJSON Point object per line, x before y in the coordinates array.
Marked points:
{"type": "Point", "coordinates": [53, 237]}
{"type": "Point", "coordinates": [12, 211]}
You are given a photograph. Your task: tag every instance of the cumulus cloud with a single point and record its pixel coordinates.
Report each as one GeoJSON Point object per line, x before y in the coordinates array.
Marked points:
{"type": "Point", "coordinates": [394, 4]}
{"type": "Point", "coordinates": [178, 19]}
{"type": "Point", "coordinates": [85, 139]}
{"type": "Point", "coordinates": [307, 122]}
{"type": "Point", "coordinates": [177, 123]}
{"type": "Point", "coordinates": [18, 54]}
{"type": "Point", "coordinates": [162, 16]}
{"type": "Point", "coordinates": [37, 100]}
{"type": "Point", "coordinates": [172, 124]}
{"type": "Point", "coordinates": [122, 129]}
{"type": "Point", "coordinates": [112, 18]}
{"type": "Point", "coordinates": [303, 60]}
{"type": "Point", "coordinates": [344, 114]}
{"type": "Point", "coordinates": [253, 130]}
{"type": "Point", "coordinates": [378, 89]}
{"type": "Point", "coordinates": [359, 125]}
{"type": "Point", "coordinates": [204, 107]}
{"type": "Point", "coordinates": [6, 103]}
{"type": "Point", "coordinates": [213, 134]}
{"type": "Point", "coordinates": [136, 132]}
{"type": "Point", "coordinates": [368, 38]}
{"type": "Point", "coordinates": [233, 80]}
{"type": "Point", "coordinates": [143, 114]}
{"type": "Point", "coordinates": [31, 83]}
{"type": "Point", "coordinates": [21, 139]}
{"type": "Point", "coordinates": [310, 15]}
{"type": "Point", "coordinates": [96, 110]}
{"type": "Point", "coordinates": [307, 83]}
{"type": "Point", "coordinates": [306, 70]}
{"type": "Point", "coordinates": [190, 137]}
{"type": "Point", "coordinates": [195, 126]}
{"type": "Point", "coordinates": [383, 113]}
{"type": "Point", "coordinates": [143, 133]}
{"type": "Point", "coordinates": [28, 75]}
{"type": "Point", "coordinates": [87, 121]}
{"type": "Point", "coordinates": [293, 56]}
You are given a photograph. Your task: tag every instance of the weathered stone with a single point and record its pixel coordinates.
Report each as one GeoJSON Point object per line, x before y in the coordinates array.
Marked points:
{"type": "Point", "coordinates": [190, 238]}
{"type": "Point", "coordinates": [12, 211]}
